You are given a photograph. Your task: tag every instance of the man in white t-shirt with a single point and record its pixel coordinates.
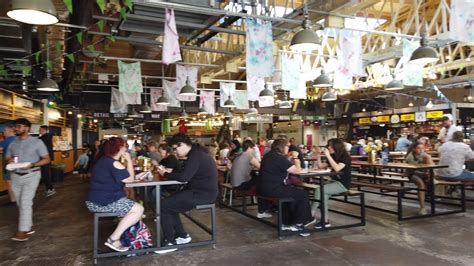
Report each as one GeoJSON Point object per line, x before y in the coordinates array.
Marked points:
{"type": "Point", "coordinates": [454, 153]}
{"type": "Point", "coordinates": [446, 133]}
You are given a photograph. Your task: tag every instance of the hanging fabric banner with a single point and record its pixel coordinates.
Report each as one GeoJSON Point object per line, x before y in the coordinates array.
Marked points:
{"type": "Point", "coordinates": [117, 102]}
{"type": "Point", "coordinates": [207, 101]}
{"type": "Point", "coordinates": [170, 90]}
{"type": "Point", "coordinates": [259, 48]}
{"type": "Point", "coordinates": [241, 100]}
{"type": "Point", "coordinates": [227, 89]}
{"type": "Point", "coordinates": [350, 53]}
{"type": "Point", "coordinates": [267, 101]}
{"type": "Point", "coordinates": [342, 80]}
{"type": "Point", "coordinates": [413, 75]}
{"type": "Point", "coordinates": [461, 21]}
{"type": "Point", "coordinates": [171, 52]}
{"type": "Point", "coordinates": [290, 73]}
{"type": "Point", "coordinates": [155, 94]}
{"type": "Point", "coordinates": [183, 73]}
{"type": "Point", "coordinates": [254, 86]}
{"type": "Point", "coordinates": [307, 71]}
{"type": "Point", "coordinates": [130, 77]}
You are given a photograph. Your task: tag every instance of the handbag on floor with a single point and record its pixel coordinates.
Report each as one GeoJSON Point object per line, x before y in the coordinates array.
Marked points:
{"type": "Point", "coordinates": [138, 236]}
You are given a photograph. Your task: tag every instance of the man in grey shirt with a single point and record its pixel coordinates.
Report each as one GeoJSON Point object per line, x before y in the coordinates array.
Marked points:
{"type": "Point", "coordinates": [454, 153]}
{"type": "Point", "coordinates": [242, 178]}
{"type": "Point", "coordinates": [26, 149]}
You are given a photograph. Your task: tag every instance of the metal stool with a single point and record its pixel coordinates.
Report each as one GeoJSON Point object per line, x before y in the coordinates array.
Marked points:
{"type": "Point", "coordinates": [97, 215]}
{"type": "Point", "coordinates": [212, 231]}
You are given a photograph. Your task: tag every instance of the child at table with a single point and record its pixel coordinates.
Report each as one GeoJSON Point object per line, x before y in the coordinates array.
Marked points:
{"type": "Point", "coordinates": [81, 164]}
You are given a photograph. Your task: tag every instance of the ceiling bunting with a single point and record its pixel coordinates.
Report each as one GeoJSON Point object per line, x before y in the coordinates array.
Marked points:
{"type": "Point", "coordinates": [259, 48]}
{"type": "Point", "coordinates": [49, 64]}
{"type": "Point", "coordinates": [79, 37]}
{"type": "Point", "coordinates": [227, 90]}
{"type": "Point", "coordinates": [68, 4]}
{"type": "Point", "coordinates": [207, 101]}
{"type": "Point", "coordinates": [91, 48]}
{"type": "Point", "coordinates": [255, 85]}
{"type": "Point", "coordinates": [439, 93]}
{"type": "Point", "coordinates": [130, 77]}
{"type": "Point", "coordinates": [171, 52]}
{"type": "Point", "coordinates": [101, 4]}
{"type": "Point", "coordinates": [461, 24]}
{"type": "Point", "coordinates": [3, 71]}
{"type": "Point", "coordinates": [70, 57]}
{"type": "Point", "coordinates": [123, 13]}
{"type": "Point", "coordinates": [57, 46]}
{"type": "Point", "coordinates": [184, 73]}
{"type": "Point", "coordinates": [111, 38]}
{"type": "Point", "coordinates": [101, 24]}
{"type": "Point", "coordinates": [129, 4]}
{"type": "Point", "coordinates": [26, 70]}
{"type": "Point", "coordinates": [37, 57]}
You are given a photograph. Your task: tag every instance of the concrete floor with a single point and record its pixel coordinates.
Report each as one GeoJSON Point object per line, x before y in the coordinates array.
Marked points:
{"type": "Point", "coordinates": [64, 237]}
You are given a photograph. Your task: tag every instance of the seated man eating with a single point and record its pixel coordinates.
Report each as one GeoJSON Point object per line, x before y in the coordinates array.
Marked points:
{"type": "Point", "coordinates": [200, 173]}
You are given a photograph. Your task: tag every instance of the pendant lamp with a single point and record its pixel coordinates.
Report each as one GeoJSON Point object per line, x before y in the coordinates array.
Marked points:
{"type": "Point", "coordinates": [305, 40]}
{"type": "Point", "coordinates": [322, 81]}
{"type": "Point", "coordinates": [424, 54]}
{"type": "Point", "coordinates": [36, 12]}
{"type": "Point", "coordinates": [47, 84]}
{"type": "Point", "coordinates": [266, 93]}
{"type": "Point", "coordinates": [187, 90]}
{"type": "Point", "coordinates": [229, 103]}
{"type": "Point", "coordinates": [328, 96]}
{"type": "Point", "coordinates": [394, 85]}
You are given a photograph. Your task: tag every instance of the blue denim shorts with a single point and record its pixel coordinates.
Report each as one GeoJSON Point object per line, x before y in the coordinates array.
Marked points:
{"type": "Point", "coordinates": [121, 207]}
{"type": "Point", "coordinates": [465, 175]}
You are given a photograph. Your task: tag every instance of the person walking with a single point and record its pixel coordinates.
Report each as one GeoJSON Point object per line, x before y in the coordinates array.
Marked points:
{"type": "Point", "coordinates": [9, 137]}
{"type": "Point", "coordinates": [46, 169]}
{"type": "Point", "coordinates": [25, 180]}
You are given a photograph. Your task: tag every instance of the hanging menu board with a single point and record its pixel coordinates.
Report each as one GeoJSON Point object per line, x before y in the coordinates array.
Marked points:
{"type": "Point", "coordinates": [434, 114]}
{"type": "Point", "coordinates": [383, 119]}
{"type": "Point", "coordinates": [364, 120]}
{"type": "Point", "coordinates": [407, 117]}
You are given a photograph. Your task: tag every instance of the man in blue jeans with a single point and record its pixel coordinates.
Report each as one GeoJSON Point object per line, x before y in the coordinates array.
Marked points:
{"type": "Point", "coordinates": [25, 180]}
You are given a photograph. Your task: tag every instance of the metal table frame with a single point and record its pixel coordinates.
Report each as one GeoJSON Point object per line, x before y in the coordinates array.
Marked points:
{"type": "Point", "coordinates": [158, 246]}
{"type": "Point", "coordinates": [431, 189]}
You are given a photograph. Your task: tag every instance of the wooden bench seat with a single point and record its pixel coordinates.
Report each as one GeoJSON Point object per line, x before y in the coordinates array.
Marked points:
{"type": "Point", "coordinates": [379, 186]}
{"type": "Point", "coordinates": [392, 173]}
{"type": "Point", "coordinates": [308, 185]}
{"type": "Point", "coordinates": [378, 177]}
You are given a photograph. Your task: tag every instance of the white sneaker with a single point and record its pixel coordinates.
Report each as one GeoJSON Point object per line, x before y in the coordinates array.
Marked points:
{"type": "Point", "coordinates": [164, 251]}
{"type": "Point", "coordinates": [263, 215]}
{"type": "Point", "coordinates": [286, 227]}
{"type": "Point", "coordinates": [422, 211]}
{"type": "Point", "coordinates": [50, 192]}
{"type": "Point", "coordinates": [183, 240]}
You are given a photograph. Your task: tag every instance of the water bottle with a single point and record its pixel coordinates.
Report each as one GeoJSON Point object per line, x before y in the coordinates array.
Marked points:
{"type": "Point", "coordinates": [384, 157]}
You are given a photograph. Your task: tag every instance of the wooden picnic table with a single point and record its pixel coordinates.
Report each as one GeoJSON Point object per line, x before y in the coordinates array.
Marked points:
{"type": "Point", "coordinates": [404, 166]}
